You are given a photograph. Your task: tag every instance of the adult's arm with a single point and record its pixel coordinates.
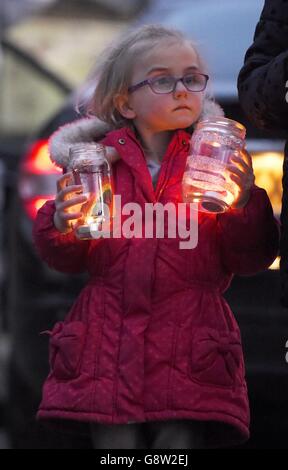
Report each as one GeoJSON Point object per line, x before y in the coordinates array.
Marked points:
{"type": "Point", "coordinates": [262, 82]}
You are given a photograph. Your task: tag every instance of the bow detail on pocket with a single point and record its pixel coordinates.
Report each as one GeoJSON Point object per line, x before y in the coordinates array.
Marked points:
{"type": "Point", "coordinates": [216, 357]}
{"type": "Point", "coordinates": [67, 342]}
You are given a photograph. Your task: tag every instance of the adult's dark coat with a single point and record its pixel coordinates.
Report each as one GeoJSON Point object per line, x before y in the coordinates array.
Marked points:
{"type": "Point", "coordinates": [263, 93]}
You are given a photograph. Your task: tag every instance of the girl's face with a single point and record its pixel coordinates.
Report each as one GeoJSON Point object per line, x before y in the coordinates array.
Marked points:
{"type": "Point", "coordinates": [164, 112]}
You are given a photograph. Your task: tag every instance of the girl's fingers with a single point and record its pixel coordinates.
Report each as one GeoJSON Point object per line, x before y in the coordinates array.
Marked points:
{"type": "Point", "coordinates": [247, 157]}
{"type": "Point", "coordinates": [66, 216]}
{"type": "Point", "coordinates": [240, 163]}
{"type": "Point", "coordinates": [64, 181]}
{"type": "Point", "coordinates": [236, 180]}
{"type": "Point", "coordinates": [243, 159]}
{"type": "Point", "coordinates": [243, 184]}
{"type": "Point", "coordinates": [67, 193]}
{"type": "Point", "coordinates": [65, 187]}
{"type": "Point", "coordinates": [242, 169]}
{"type": "Point", "coordinates": [234, 170]}
{"type": "Point", "coordinates": [62, 206]}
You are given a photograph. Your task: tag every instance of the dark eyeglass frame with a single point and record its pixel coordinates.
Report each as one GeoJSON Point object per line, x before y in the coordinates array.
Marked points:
{"type": "Point", "coordinates": [150, 82]}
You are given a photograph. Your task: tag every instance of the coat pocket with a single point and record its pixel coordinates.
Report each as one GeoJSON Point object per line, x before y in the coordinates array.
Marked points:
{"type": "Point", "coordinates": [67, 341]}
{"type": "Point", "coordinates": [216, 358]}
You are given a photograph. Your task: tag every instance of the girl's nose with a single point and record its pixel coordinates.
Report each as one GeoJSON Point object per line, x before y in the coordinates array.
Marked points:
{"type": "Point", "coordinates": [180, 89]}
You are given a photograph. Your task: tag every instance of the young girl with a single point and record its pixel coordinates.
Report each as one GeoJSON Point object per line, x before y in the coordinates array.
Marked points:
{"type": "Point", "coordinates": [150, 355]}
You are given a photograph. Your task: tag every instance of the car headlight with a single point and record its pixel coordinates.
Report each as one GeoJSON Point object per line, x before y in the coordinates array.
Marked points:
{"type": "Point", "coordinates": [268, 169]}
{"type": "Point", "coordinates": [37, 178]}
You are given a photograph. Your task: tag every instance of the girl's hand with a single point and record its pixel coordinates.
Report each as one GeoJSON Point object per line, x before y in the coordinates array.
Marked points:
{"type": "Point", "coordinates": [67, 204]}
{"type": "Point", "coordinates": [241, 173]}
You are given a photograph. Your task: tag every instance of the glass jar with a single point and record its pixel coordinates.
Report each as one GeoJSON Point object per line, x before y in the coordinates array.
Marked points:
{"type": "Point", "coordinates": [207, 179]}
{"type": "Point", "coordinates": [91, 169]}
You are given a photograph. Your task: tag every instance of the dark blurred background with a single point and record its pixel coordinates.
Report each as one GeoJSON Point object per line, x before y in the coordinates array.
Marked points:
{"type": "Point", "coordinates": [47, 48]}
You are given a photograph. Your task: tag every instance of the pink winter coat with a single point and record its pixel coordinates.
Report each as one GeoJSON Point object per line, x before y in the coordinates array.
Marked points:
{"type": "Point", "coordinates": [151, 337]}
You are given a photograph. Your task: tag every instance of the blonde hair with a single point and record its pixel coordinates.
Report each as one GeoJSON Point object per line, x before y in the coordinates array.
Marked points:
{"type": "Point", "coordinates": [115, 67]}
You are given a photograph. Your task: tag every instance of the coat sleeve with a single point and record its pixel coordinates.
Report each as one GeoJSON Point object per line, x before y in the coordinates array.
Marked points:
{"type": "Point", "coordinates": [64, 253]}
{"type": "Point", "coordinates": [262, 82]}
{"type": "Point", "coordinates": [249, 237]}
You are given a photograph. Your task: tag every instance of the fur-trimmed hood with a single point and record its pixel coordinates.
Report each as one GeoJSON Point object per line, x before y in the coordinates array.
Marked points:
{"type": "Point", "coordinates": [92, 129]}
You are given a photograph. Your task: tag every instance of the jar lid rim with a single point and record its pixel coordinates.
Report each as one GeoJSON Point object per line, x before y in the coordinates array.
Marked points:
{"type": "Point", "coordinates": [222, 121]}
{"type": "Point", "coordinates": [94, 146]}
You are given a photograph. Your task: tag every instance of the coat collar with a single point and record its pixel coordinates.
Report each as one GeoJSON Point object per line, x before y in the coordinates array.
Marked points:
{"type": "Point", "coordinates": [131, 152]}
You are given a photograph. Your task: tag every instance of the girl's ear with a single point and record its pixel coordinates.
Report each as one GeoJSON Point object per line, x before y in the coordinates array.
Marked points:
{"type": "Point", "coordinates": [121, 103]}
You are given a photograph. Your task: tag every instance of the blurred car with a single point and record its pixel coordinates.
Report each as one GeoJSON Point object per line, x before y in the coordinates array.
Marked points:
{"type": "Point", "coordinates": [38, 296]}
{"type": "Point", "coordinates": [39, 67]}
{"type": "Point", "coordinates": [29, 94]}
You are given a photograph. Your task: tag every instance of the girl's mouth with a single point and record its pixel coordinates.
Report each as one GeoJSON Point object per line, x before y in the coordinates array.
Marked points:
{"type": "Point", "coordinates": [182, 108]}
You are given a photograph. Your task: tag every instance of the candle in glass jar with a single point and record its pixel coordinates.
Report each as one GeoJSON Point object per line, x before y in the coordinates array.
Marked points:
{"type": "Point", "coordinates": [207, 179]}
{"type": "Point", "coordinates": [92, 171]}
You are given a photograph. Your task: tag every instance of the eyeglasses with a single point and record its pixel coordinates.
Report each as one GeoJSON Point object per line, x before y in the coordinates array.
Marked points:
{"type": "Point", "coordinates": [193, 82]}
